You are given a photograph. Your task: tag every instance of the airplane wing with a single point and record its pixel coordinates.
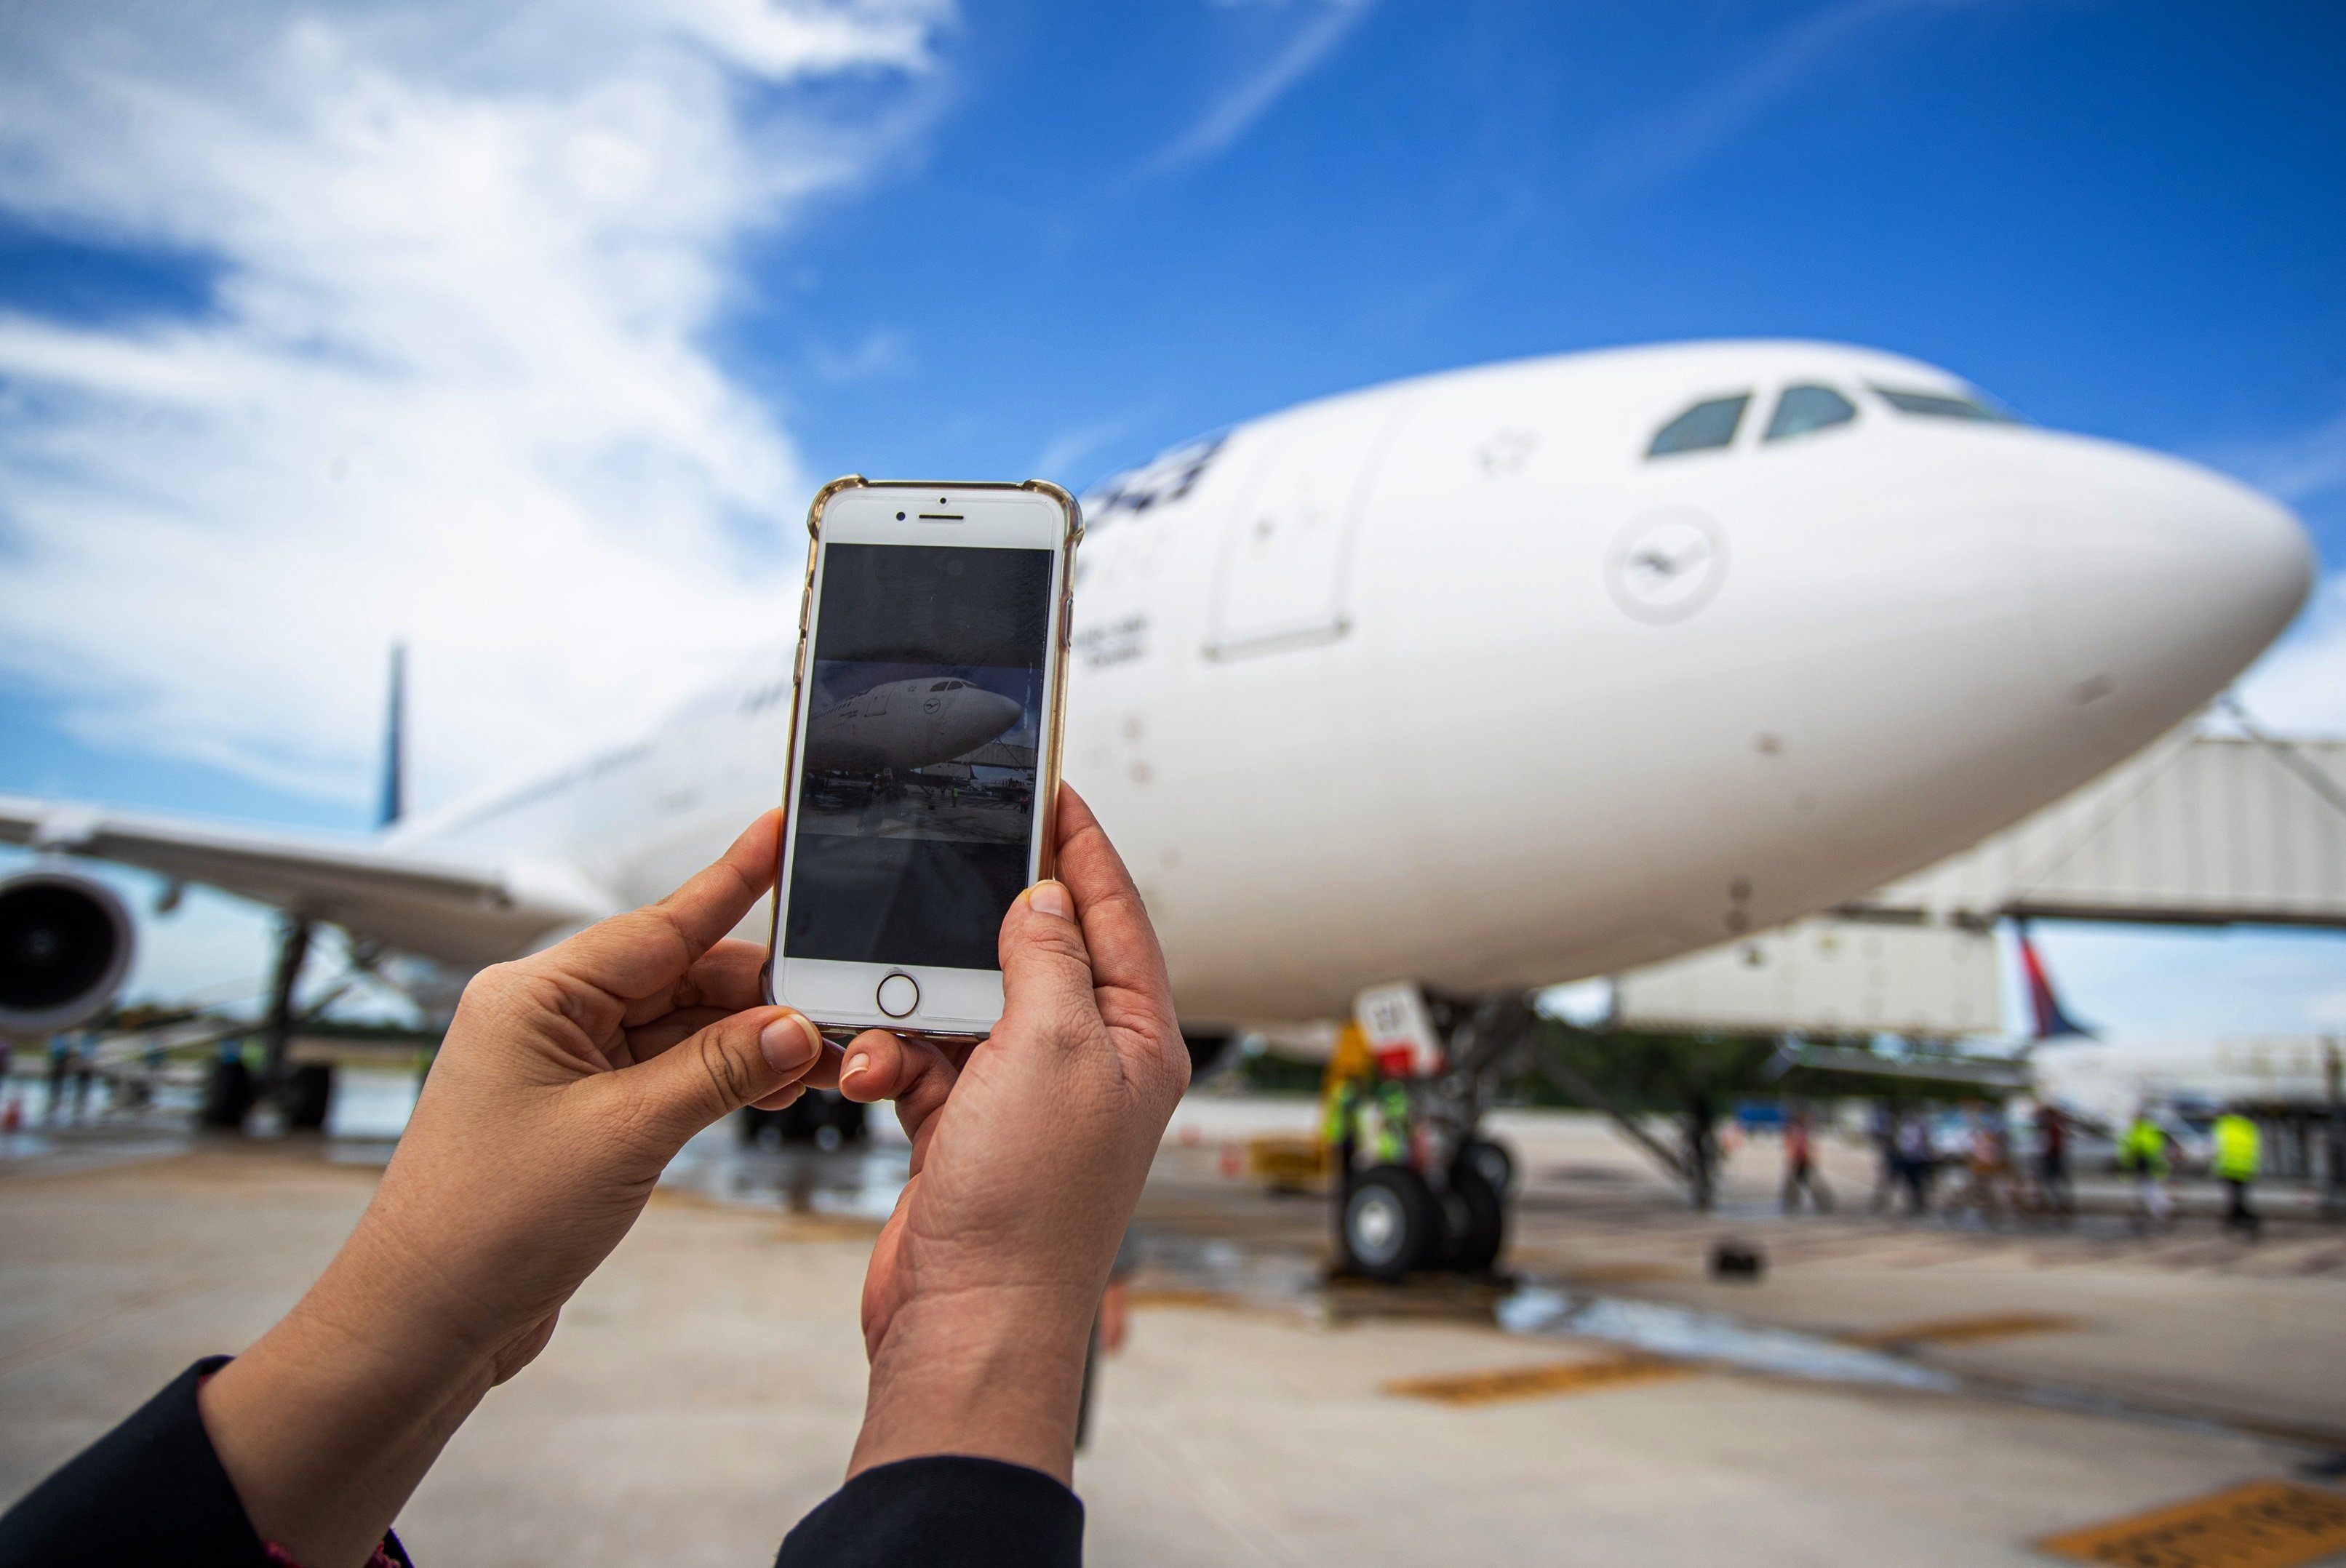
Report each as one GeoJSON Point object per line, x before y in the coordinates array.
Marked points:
{"type": "Point", "coordinates": [442, 908]}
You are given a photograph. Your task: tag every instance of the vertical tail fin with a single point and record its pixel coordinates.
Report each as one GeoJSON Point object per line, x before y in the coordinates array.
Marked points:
{"type": "Point", "coordinates": [394, 742]}
{"type": "Point", "coordinates": [2044, 1001]}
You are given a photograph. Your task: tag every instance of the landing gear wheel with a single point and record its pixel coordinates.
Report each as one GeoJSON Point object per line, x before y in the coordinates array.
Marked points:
{"type": "Point", "coordinates": [1391, 1224]}
{"type": "Point", "coordinates": [1492, 1162]}
{"type": "Point", "coordinates": [1474, 1222]}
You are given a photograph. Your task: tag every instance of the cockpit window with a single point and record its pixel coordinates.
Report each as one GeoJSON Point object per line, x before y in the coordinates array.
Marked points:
{"type": "Point", "coordinates": [1946, 405]}
{"type": "Point", "coordinates": [1709, 423]}
{"type": "Point", "coordinates": [1803, 408]}
{"type": "Point", "coordinates": [949, 685]}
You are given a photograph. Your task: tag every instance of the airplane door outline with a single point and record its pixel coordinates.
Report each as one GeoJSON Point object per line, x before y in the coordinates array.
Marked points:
{"type": "Point", "coordinates": [1287, 548]}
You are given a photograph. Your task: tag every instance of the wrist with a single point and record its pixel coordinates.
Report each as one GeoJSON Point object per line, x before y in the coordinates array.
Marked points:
{"type": "Point", "coordinates": [326, 1424]}
{"type": "Point", "coordinates": [994, 1375]}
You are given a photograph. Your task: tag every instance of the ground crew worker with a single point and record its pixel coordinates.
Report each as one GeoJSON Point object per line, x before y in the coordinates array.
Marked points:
{"type": "Point", "coordinates": [2053, 1161]}
{"type": "Point", "coordinates": [1392, 1123]}
{"type": "Point", "coordinates": [1801, 1163]}
{"type": "Point", "coordinates": [2144, 1152]}
{"type": "Point", "coordinates": [2238, 1152]}
{"type": "Point", "coordinates": [60, 1067]}
{"type": "Point", "coordinates": [1341, 1131]}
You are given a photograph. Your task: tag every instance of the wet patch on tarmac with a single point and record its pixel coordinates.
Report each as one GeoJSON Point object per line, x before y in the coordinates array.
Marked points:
{"type": "Point", "coordinates": [857, 1184]}
{"type": "Point", "coordinates": [1283, 1278]}
{"type": "Point", "coordinates": [1682, 1334]}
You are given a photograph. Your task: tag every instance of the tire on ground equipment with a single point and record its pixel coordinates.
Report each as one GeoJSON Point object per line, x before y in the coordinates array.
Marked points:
{"type": "Point", "coordinates": [1389, 1223]}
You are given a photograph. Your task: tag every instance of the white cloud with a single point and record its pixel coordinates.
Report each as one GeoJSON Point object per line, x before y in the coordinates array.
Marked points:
{"type": "Point", "coordinates": [882, 351]}
{"type": "Point", "coordinates": [2300, 688]}
{"type": "Point", "coordinates": [2151, 983]}
{"type": "Point", "coordinates": [1057, 459]}
{"type": "Point", "coordinates": [2297, 467]}
{"type": "Point", "coordinates": [1691, 129]}
{"type": "Point", "coordinates": [455, 387]}
{"type": "Point", "coordinates": [1251, 94]}
{"type": "Point", "coordinates": [1586, 1003]}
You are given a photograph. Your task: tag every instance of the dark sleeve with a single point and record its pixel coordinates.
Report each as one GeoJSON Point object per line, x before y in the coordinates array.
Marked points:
{"type": "Point", "coordinates": [152, 1492]}
{"type": "Point", "coordinates": [946, 1511]}
{"type": "Point", "coordinates": [149, 1492]}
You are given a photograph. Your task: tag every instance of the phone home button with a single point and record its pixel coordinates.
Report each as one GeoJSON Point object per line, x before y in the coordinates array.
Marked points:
{"type": "Point", "coordinates": [899, 995]}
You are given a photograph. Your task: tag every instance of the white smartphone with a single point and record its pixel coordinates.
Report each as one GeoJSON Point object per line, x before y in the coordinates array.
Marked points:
{"type": "Point", "coordinates": [925, 750]}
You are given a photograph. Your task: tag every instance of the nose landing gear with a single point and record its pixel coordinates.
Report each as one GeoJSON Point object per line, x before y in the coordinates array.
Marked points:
{"type": "Point", "coordinates": [1436, 1197]}
{"type": "Point", "coordinates": [1393, 1222]}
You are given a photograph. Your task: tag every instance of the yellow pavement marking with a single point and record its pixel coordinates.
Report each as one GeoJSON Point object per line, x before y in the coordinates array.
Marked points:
{"type": "Point", "coordinates": [1538, 1382]}
{"type": "Point", "coordinates": [1176, 1296]}
{"type": "Point", "coordinates": [2263, 1524]}
{"type": "Point", "coordinates": [1631, 1273]}
{"type": "Point", "coordinates": [1962, 1330]}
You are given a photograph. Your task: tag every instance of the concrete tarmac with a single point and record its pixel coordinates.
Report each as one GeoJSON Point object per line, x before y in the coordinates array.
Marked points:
{"type": "Point", "coordinates": [1920, 1393]}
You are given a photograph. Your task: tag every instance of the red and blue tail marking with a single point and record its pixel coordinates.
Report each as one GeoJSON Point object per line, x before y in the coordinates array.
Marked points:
{"type": "Point", "coordinates": [2044, 1001]}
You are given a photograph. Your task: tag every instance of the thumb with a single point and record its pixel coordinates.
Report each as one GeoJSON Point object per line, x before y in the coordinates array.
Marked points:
{"type": "Point", "coordinates": [743, 1057]}
{"type": "Point", "coordinates": [1046, 969]}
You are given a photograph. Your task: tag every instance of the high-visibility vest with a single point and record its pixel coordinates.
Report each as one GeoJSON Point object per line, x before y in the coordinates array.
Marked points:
{"type": "Point", "coordinates": [2145, 1148]}
{"type": "Point", "coordinates": [2237, 1148]}
{"type": "Point", "coordinates": [1392, 1123]}
{"type": "Point", "coordinates": [1343, 1112]}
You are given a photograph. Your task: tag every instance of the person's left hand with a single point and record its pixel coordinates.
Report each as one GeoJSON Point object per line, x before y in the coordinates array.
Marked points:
{"type": "Point", "coordinates": [568, 1081]}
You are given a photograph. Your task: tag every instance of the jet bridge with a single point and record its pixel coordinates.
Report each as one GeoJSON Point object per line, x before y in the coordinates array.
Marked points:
{"type": "Point", "coordinates": [2200, 829]}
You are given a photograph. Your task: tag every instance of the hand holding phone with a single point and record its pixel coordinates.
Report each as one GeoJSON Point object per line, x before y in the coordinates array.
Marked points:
{"type": "Point", "coordinates": [924, 755]}
{"type": "Point", "coordinates": [1028, 1154]}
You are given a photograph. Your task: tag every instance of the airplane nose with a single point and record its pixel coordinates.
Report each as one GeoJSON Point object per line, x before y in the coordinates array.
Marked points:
{"type": "Point", "coordinates": [1003, 713]}
{"type": "Point", "coordinates": [2156, 583]}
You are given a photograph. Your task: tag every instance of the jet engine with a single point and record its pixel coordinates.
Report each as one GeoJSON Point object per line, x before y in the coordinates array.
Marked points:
{"type": "Point", "coordinates": [65, 945]}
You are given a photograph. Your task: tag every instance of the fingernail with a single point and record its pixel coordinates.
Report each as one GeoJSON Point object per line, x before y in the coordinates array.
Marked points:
{"type": "Point", "coordinates": [852, 1065]}
{"type": "Point", "coordinates": [1050, 898]}
{"type": "Point", "coordinates": [789, 1043]}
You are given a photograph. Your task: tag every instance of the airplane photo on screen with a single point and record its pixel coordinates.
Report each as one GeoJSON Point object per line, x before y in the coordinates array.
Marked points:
{"type": "Point", "coordinates": [947, 752]}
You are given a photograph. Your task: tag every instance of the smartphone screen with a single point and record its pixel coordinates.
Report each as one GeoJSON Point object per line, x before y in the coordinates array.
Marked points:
{"type": "Point", "coordinates": [916, 788]}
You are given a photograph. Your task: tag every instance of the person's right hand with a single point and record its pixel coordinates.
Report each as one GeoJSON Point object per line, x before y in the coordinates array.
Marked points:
{"type": "Point", "coordinates": [1028, 1155]}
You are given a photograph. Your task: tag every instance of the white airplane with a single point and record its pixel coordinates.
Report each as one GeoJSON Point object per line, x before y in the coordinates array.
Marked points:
{"type": "Point", "coordinates": [907, 724]}
{"type": "Point", "coordinates": [1490, 680]}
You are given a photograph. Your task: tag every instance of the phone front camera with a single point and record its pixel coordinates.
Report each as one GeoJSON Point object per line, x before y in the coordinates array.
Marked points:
{"type": "Point", "coordinates": [900, 516]}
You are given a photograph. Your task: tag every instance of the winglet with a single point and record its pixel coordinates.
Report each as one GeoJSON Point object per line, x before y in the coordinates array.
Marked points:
{"type": "Point", "coordinates": [394, 742]}
{"type": "Point", "coordinates": [2044, 1001]}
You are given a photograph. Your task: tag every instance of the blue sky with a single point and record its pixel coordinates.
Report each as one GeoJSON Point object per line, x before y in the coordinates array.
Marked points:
{"type": "Point", "coordinates": [2122, 219]}
{"type": "Point", "coordinates": [642, 272]}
